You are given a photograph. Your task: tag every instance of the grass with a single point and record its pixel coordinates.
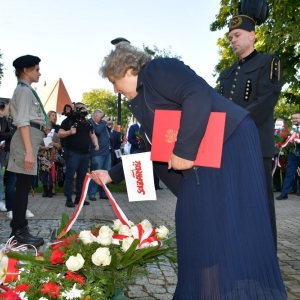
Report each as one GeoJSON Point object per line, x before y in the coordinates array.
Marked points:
{"type": "Point", "coordinates": [114, 188]}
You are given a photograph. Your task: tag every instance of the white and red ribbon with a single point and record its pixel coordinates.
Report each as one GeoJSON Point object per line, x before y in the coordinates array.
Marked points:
{"type": "Point", "coordinates": [145, 238]}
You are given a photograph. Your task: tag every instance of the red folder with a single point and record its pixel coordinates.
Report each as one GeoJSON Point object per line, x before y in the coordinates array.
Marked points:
{"type": "Point", "coordinates": [165, 129]}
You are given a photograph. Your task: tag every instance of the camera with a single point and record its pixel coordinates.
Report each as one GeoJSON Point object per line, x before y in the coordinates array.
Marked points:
{"type": "Point", "coordinates": [74, 114]}
{"type": "Point", "coordinates": [111, 119]}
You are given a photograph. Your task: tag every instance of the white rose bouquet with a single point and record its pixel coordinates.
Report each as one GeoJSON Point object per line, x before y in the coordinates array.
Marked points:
{"type": "Point", "coordinates": [93, 264]}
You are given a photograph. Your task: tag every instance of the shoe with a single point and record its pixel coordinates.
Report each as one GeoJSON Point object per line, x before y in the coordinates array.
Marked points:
{"type": "Point", "coordinates": [292, 192]}
{"type": "Point", "coordinates": [158, 188]}
{"type": "Point", "coordinates": [277, 191]}
{"type": "Point", "coordinates": [2, 206]}
{"type": "Point", "coordinates": [49, 192]}
{"type": "Point", "coordinates": [22, 236]}
{"type": "Point", "coordinates": [29, 214]}
{"type": "Point", "coordinates": [69, 203]}
{"type": "Point", "coordinates": [281, 197]}
{"type": "Point", "coordinates": [9, 215]}
{"type": "Point", "coordinates": [103, 197]}
{"type": "Point", "coordinates": [92, 198]}
{"type": "Point", "coordinates": [84, 203]}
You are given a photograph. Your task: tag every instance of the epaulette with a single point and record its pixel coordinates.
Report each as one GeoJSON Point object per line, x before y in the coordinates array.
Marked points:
{"type": "Point", "coordinates": [275, 69]}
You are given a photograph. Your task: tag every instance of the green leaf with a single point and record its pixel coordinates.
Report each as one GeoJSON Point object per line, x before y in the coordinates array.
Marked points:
{"type": "Point", "coordinates": [130, 251]}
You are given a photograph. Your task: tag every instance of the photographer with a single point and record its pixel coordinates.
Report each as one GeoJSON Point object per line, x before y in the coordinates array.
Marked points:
{"type": "Point", "coordinates": [76, 132]}
{"type": "Point", "coordinates": [101, 157]}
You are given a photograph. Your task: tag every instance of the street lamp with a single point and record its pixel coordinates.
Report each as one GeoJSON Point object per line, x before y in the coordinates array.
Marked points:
{"type": "Point", "coordinates": [115, 42]}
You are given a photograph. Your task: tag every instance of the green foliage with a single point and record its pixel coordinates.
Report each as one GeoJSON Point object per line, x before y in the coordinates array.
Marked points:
{"type": "Point", "coordinates": [107, 101]}
{"type": "Point", "coordinates": [157, 53]}
{"type": "Point", "coordinates": [279, 34]}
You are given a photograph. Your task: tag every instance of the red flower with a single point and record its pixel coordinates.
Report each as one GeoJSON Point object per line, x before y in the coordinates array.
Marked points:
{"type": "Point", "coordinates": [57, 257]}
{"type": "Point", "coordinates": [51, 289]}
{"type": "Point", "coordinates": [22, 287]}
{"type": "Point", "coordinates": [9, 295]}
{"type": "Point", "coordinates": [67, 241]}
{"type": "Point", "coordinates": [56, 246]}
{"type": "Point", "coordinates": [284, 135]}
{"type": "Point", "coordinates": [75, 277]}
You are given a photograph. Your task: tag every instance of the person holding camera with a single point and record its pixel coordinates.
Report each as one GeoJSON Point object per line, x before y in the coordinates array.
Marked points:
{"type": "Point", "coordinates": [76, 132]}
{"type": "Point", "coordinates": [29, 116]}
{"type": "Point", "coordinates": [100, 158]}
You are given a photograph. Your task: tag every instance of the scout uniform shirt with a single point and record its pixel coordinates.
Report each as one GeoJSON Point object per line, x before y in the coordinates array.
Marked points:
{"type": "Point", "coordinates": [25, 108]}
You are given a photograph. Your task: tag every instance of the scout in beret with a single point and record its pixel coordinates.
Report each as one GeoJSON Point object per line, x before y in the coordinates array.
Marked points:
{"type": "Point", "coordinates": [30, 118]}
{"type": "Point", "coordinates": [254, 82]}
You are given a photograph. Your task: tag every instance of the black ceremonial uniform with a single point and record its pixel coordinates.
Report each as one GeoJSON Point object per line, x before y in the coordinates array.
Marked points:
{"type": "Point", "coordinates": [254, 83]}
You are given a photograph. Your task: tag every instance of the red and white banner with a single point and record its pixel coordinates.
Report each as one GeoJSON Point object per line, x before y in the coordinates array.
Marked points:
{"type": "Point", "coordinates": [138, 171]}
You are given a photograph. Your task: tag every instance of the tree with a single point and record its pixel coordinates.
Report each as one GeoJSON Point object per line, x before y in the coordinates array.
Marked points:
{"type": "Point", "coordinates": [106, 101]}
{"type": "Point", "coordinates": [279, 34]}
{"type": "Point", "coordinates": [1, 69]}
{"type": "Point", "coordinates": [157, 53]}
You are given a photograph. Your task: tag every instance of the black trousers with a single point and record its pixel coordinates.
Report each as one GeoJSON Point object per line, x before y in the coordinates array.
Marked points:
{"type": "Point", "coordinates": [20, 201]}
{"type": "Point", "coordinates": [268, 172]}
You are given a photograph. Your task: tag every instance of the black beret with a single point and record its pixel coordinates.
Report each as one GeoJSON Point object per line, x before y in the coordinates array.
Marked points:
{"type": "Point", "coordinates": [242, 22]}
{"type": "Point", "coordinates": [26, 61]}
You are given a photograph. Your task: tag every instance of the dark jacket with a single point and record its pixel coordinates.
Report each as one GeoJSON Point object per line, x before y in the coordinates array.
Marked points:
{"type": "Point", "coordinates": [7, 130]}
{"type": "Point", "coordinates": [169, 84]}
{"type": "Point", "coordinates": [255, 84]}
{"type": "Point", "coordinates": [132, 137]}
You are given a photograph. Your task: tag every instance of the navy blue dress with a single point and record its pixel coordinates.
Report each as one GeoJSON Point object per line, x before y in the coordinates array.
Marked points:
{"type": "Point", "coordinates": [224, 239]}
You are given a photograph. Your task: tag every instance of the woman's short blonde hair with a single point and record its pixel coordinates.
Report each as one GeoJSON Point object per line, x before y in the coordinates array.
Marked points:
{"type": "Point", "coordinates": [123, 58]}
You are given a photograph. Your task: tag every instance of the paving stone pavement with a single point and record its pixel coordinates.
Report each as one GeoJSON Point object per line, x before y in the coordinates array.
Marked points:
{"type": "Point", "coordinates": [161, 280]}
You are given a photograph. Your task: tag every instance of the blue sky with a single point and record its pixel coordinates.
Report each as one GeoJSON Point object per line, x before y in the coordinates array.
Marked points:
{"type": "Point", "coordinates": [72, 37]}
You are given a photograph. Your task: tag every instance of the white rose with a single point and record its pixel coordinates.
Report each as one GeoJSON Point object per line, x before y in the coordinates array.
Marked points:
{"type": "Point", "coordinates": [1, 255]}
{"type": "Point", "coordinates": [130, 223]}
{"type": "Point", "coordinates": [86, 236]}
{"type": "Point", "coordinates": [126, 243]}
{"type": "Point", "coordinates": [74, 263]}
{"type": "Point", "coordinates": [101, 257]}
{"type": "Point", "coordinates": [146, 224]}
{"type": "Point", "coordinates": [125, 230]}
{"type": "Point", "coordinates": [162, 232]}
{"type": "Point", "coordinates": [117, 224]}
{"type": "Point", "coordinates": [105, 236]}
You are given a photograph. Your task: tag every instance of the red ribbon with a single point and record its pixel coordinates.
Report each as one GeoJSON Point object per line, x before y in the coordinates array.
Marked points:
{"type": "Point", "coordinates": [12, 272]}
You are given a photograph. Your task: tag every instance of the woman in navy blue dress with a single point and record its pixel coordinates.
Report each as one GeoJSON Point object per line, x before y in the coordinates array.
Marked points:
{"type": "Point", "coordinates": [224, 239]}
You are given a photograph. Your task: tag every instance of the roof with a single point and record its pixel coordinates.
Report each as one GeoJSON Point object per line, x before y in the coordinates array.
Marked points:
{"type": "Point", "coordinates": [54, 96]}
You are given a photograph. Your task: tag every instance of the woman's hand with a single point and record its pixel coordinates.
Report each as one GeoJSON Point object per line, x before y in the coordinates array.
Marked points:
{"type": "Point", "coordinates": [29, 161]}
{"type": "Point", "coordinates": [178, 163]}
{"type": "Point", "coordinates": [102, 174]}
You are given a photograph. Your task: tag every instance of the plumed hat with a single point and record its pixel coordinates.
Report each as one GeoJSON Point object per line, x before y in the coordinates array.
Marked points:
{"type": "Point", "coordinates": [251, 13]}
{"type": "Point", "coordinates": [26, 61]}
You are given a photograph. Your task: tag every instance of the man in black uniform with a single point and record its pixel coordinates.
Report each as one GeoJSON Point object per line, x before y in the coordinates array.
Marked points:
{"type": "Point", "coordinates": [77, 132]}
{"type": "Point", "coordinates": [254, 82]}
